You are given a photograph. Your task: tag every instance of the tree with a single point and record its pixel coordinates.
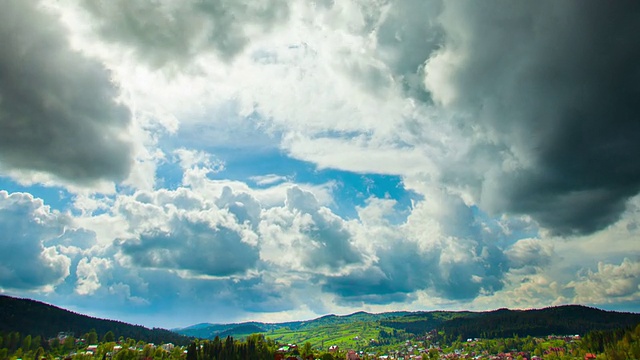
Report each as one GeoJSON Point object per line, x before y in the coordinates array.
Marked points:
{"type": "Point", "coordinates": [39, 353]}
{"type": "Point", "coordinates": [55, 343]}
{"type": "Point", "coordinates": [109, 337]}
{"type": "Point", "coordinates": [26, 343]}
{"type": "Point", "coordinates": [69, 343]}
{"type": "Point", "coordinates": [36, 342]}
{"type": "Point", "coordinates": [176, 353]}
{"type": "Point", "coordinates": [92, 337]}
{"type": "Point", "coordinates": [307, 350]}
{"type": "Point", "coordinates": [147, 351]}
{"type": "Point", "coordinates": [192, 352]}
{"type": "Point", "coordinates": [434, 354]}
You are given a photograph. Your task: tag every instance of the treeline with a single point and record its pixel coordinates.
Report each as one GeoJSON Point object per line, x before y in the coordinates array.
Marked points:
{"type": "Point", "coordinates": [422, 322]}
{"type": "Point", "coordinates": [14, 343]}
{"type": "Point", "coordinates": [36, 318]}
{"type": "Point", "coordinates": [615, 344]}
{"type": "Point", "coordinates": [14, 346]}
{"type": "Point", "coordinates": [503, 323]}
{"type": "Point", "coordinates": [561, 320]}
{"type": "Point", "coordinates": [255, 347]}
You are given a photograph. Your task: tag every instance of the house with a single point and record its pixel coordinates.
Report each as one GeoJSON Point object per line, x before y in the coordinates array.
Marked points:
{"type": "Point", "coordinates": [589, 356]}
{"type": "Point", "coordinates": [167, 347]}
{"type": "Point", "coordinates": [333, 349]}
{"type": "Point", "coordinates": [352, 355]}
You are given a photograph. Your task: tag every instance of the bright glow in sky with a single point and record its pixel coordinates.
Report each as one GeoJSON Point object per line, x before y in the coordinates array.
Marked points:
{"type": "Point", "coordinates": [174, 162]}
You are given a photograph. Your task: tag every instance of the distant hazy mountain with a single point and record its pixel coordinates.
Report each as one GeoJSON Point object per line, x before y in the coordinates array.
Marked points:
{"type": "Point", "coordinates": [37, 318]}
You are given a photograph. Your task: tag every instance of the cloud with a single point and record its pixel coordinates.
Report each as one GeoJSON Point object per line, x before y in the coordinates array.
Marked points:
{"type": "Point", "coordinates": [529, 252]}
{"type": "Point", "coordinates": [269, 179]}
{"type": "Point", "coordinates": [514, 130]}
{"type": "Point", "coordinates": [443, 248]}
{"type": "Point", "coordinates": [58, 109]}
{"type": "Point", "coordinates": [305, 236]}
{"type": "Point", "coordinates": [555, 98]}
{"type": "Point", "coordinates": [169, 31]}
{"type": "Point", "coordinates": [26, 226]}
{"type": "Point", "coordinates": [610, 283]}
{"type": "Point", "coordinates": [88, 274]}
{"type": "Point", "coordinates": [408, 35]}
{"type": "Point", "coordinates": [199, 238]}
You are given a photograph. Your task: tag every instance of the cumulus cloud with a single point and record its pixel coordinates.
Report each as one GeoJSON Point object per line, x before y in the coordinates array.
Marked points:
{"type": "Point", "coordinates": [443, 248]}
{"type": "Point", "coordinates": [88, 274]}
{"type": "Point", "coordinates": [305, 236]}
{"type": "Point", "coordinates": [206, 240]}
{"type": "Point", "coordinates": [556, 98]}
{"type": "Point", "coordinates": [26, 227]}
{"type": "Point", "coordinates": [172, 31]}
{"type": "Point", "coordinates": [530, 252]}
{"type": "Point", "coordinates": [610, 283]}
{"type": "Point", "coordinates": [58, 113]}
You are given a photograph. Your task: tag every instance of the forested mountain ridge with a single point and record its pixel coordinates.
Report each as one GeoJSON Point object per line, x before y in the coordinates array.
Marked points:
{"type": "Point", "coordinates": [37, 318]}
{"type": "Point", "coordinates": [566, 319]}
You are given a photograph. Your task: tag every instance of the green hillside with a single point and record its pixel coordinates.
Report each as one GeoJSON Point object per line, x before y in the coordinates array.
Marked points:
{"type": "Point", "coordinates": [376, 331]}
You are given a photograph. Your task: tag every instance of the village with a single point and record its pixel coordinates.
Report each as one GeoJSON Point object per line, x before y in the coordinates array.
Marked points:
{"type": "Point", "coordinates": [550, 347]}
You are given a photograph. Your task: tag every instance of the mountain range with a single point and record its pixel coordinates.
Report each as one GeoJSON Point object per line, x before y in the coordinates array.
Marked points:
{"type": "Point", "coordinates": [567, 319]}
{"type": "Point", "coordinates": [37, 318]}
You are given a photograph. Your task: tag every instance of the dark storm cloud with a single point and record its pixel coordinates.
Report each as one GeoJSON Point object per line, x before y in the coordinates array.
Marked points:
{"type": "Point", "coordinates": [556, 84]}
{"type": "Point", "coordinates": [166, 32]}
{"type": "Point", "coordinates": [57, 108]}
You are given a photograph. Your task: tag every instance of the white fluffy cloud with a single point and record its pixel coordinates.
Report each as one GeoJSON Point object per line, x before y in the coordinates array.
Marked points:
{"type": "Point", "coordinates": [27, 228]}
{"type": "Point", "coordinates": [610, 283]}
{"type": "Point", "coordinates": [88, 273]}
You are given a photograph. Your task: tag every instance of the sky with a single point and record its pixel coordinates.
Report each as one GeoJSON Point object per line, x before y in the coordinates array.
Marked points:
{"type": "Point", "coordinates": [168, 162]}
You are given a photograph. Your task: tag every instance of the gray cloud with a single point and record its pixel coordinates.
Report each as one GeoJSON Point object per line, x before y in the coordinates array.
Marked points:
{"type": "Point", "coordinates": [400, 271]}
{"type": "Point", "coordinates": [407, 37]}
{"type": "Point", "coordinates": [328, 242]}
{"type": "Point", "coordinates": [166, 32]}
{"type": "Point", "coordinates": [553, 86]}
{"type": "Point", "coordinates": [195, 245]}
{"type": "Point", "coordinates": [57, 108]}
{"type": "Point", "coordinates": [445, 249]}
{"type": "Point", "coordinates": [179, 230]}
{"type": "Point", "coordinates": [529, 252]}
{"type": "Point", "coordinates": [26, 224]}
